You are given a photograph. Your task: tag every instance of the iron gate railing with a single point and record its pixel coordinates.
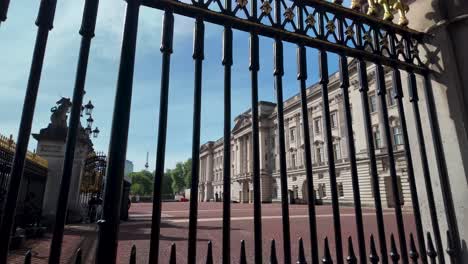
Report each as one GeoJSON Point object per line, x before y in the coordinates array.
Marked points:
{"type": "Point", "coordinates": [327, 27]}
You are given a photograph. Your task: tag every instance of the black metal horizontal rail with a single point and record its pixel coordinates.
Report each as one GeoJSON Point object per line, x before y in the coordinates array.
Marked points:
{"type": "Point", "coordinates": [251, 25]}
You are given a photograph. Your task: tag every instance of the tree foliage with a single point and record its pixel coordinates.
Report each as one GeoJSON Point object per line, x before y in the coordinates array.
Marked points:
{"type": "Point", "coordinates": [175, 180]}
{"type": "Point", "coordinates": [181, 176]}
{"type": "Point", "coordinates": [142, 183]}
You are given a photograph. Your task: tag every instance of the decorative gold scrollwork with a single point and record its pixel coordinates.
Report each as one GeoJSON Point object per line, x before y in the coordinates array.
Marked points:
{"type": "Point", "coordinates": [389, 7]}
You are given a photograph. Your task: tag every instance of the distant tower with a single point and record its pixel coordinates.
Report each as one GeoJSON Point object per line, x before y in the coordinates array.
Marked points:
{"type": "Point", "coordinates": [147, 165]}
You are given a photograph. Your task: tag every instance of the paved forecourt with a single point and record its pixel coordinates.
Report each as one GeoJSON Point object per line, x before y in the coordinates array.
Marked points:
{"type": "Point", "coordinates": [174, 229]}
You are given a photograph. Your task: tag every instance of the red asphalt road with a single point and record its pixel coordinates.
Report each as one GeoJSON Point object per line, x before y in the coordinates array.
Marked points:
{"type": "Point", "coordinates": [174, 229]}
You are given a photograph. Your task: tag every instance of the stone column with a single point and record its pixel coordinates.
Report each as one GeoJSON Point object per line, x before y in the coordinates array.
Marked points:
{"type": "Point", "coordinates": [51, 146]}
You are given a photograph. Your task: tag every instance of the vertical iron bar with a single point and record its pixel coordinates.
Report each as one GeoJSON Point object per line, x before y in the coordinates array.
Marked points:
{"type": "Point", "coordinates": [394, 256]}
{"type": "Point", "coordinates": [227, 62]}
{"type": "Point", "coordinates": [256, 170]}
{"type": "Point", "coordinates": [344, 78]}
{"type": "Point", "coordinates": [209, 254]}
{"type": "Point", "coordinates": [172, 258]}
{"type": "Point", "coordinates": [323, 63]}
{"type": "Point", "coordinates": [364, 89]}
{"type": "Point", "coordinates": [302, 77]}
{"type": "Point", "coordinates": [431, 252]}
{"type": "Point", "coordinates": [243, 257]}
{"type": "Point", "coordinates": [442, 168]}
{"type": "Point", "coordinates": [351, 259]}
{"type": "Point", "coordinates": [413, 252]}
{"type": "Point", "coordinates": [301, 259]}
{"type": "Point", "coordinates": [398, 95]}
{"type": "Point", "coordinates": [382, 92]}
{"type": "Point", "coordinates": [132, 255]}
{"type": "Point", "coordinates": [278, 73]}
{"type": "Point", "coordinates": [324, 80]}
{"type": "Point", "coordinates": [256, 162]}
{"type": "Point", "coordinates": [198, 56]}
{"type": "Point", "coordinates": [450, 250]}
{"type": "Point", "coordinates": [87, 32]}
{"type": "Point", "coordinates": [414, 99]}
{"type": "Point", "coordinates": [27, 257]}
{"type": "Point", "coordinates": [327, 258]}
{"type": "Point", "coordinates": [4, 10]}
{"type": "Point", "coordinates": [373, 256]}
{"type": "Point", "coordinates": [273, 258]}
{"type": "Point", "coordinates": [166, 50]}
{"type": "Point", "coordinates": [254, 67]}
{"type": "Point", "coordinates": [106, 251]}
{"type": "Point", "coordinates": [352, 158]}
{"type": "Point", "coordinates": [44, 22]}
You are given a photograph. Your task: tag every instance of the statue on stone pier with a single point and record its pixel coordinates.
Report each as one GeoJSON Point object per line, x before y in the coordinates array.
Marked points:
{"type": "Point", "coordinates": [59, 112]}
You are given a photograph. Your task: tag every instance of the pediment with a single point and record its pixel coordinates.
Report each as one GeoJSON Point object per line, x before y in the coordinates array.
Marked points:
{"type": "Point", "coordinates": [241, 122]}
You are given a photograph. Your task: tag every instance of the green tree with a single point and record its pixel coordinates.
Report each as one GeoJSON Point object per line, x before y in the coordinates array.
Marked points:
{"type": "Point", "coordinates": [167, 184]}
{"type": "Point", "coordinates": [188, 173]}
{"type": "Point", "coordinates": [177, 175]}
{"type": "Point", "coordinates": [142, 182]}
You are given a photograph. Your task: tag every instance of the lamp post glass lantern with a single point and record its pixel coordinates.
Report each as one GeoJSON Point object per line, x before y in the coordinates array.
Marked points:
{"type": "Point", "coordinates": [90, 121]}
{"type": "Point", "coordinates": [96, 132]}
{"type": "Point", "coordinates": [89, 108]}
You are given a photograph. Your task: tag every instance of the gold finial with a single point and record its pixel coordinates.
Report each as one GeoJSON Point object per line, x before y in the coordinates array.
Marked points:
{"type": "Point", "coordinates": [349, 32]}
{"type": "Point", "coordinates": [289, 14]}
{"type": "Point", "coordinates": [266, 7]}
{"type": "Point", "coordinates": [402, 9]}
{"type": "Point", "coordinates": [242, 3]}
{"type": "Point", "coordinates": [372, 10]}
{"type": "Point", "coordinates": [310, 20]}
{"type": "Point", "coordinates": [389, 7]}
{"type": "Point", "coordinates": [356, 5]}
{"type": "Point", "coordinates": [330, 26]}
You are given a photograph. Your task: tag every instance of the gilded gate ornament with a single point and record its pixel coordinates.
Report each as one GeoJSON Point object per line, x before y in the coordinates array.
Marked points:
{"type": "Point", "coordinates": [389, 7]}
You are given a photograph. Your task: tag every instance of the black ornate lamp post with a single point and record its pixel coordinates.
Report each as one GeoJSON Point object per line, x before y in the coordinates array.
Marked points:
{"type": "Point", "coordinates": [88, 110]}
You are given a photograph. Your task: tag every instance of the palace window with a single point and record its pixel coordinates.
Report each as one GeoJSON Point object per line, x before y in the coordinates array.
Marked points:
{"type": "Point", "coordinates": [292, 134]}
{"type": "Point", "coordinates": [320, 175]}
{"type": "Point", "coordinates": [322, 190]}
{"type": "Point", "coordinates": [373, 103]}
{"type": "Point", "coordinates": [334, 119]}
{"type": "Point", "coordinates": [337, 151]}
{"type": "Point", "coordinates": [377, 138]}
{"type": "Point", "coordinates": [318, 125]}
{"type": "Point", "coordinates": [391, 99]}
{"type": "Point", "coordinates": [319, 157]}
{"type": "Point", "coordinates": [397, 136]}
{"type": "Point", "coordinates": [340, 189]}
{"type": "Point", "coordinates": [293, 160]}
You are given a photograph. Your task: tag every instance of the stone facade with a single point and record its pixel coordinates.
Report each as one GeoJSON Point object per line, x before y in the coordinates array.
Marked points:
{"type": "Point", "coordinates": [211, 156]}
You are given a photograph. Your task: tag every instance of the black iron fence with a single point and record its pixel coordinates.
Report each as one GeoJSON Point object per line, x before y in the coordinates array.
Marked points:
{"type": "Point", "coordinates": [31, 194]}
{"type": "Point", "coordinates": [316, 24]}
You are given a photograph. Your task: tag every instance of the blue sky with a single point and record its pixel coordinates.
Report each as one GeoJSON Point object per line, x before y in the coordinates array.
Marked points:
{"type": "Point", "coordinates": [17, 37]}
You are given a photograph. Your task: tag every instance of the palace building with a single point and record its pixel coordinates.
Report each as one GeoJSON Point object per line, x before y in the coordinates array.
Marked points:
{"type": "Point", "coordinates": [211, 153]}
